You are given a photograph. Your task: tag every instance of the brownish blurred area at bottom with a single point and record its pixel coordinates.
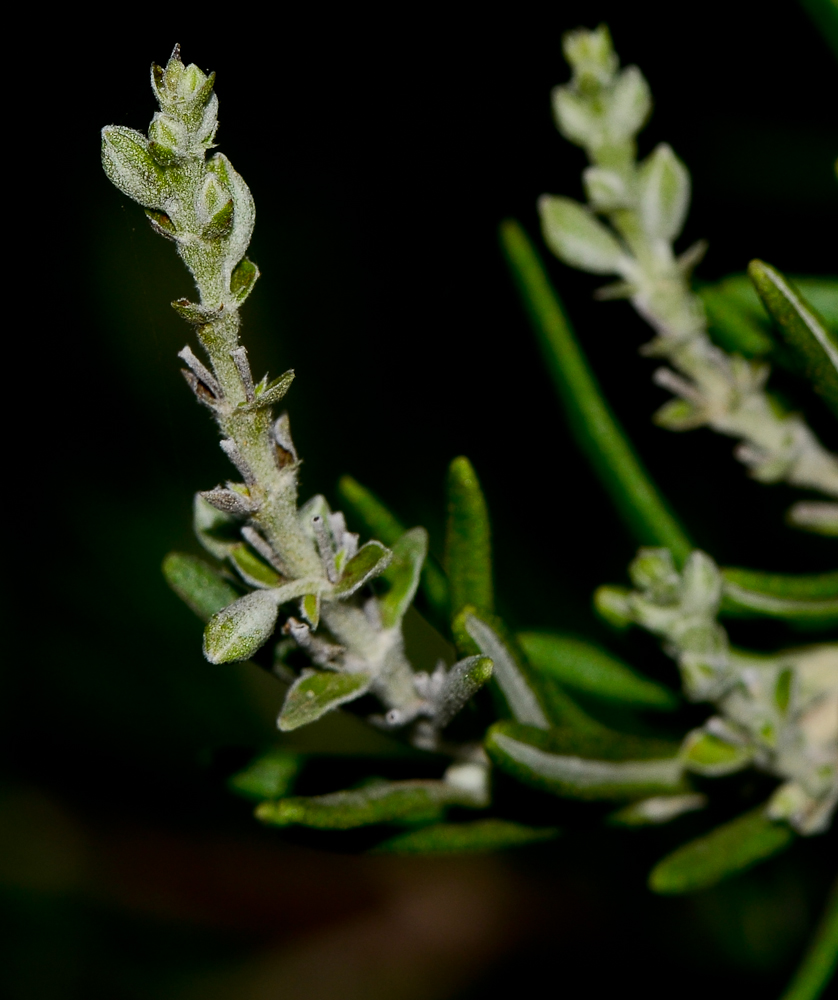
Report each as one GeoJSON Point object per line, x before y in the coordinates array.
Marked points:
{"type": "Point", "coordinates": [306, 924]}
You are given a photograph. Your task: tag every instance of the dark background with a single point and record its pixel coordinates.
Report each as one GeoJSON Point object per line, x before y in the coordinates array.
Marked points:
{"type": "Point", "coordinates": [382, 148]}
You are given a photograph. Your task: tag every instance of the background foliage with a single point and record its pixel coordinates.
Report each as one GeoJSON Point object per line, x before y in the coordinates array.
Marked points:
{"type": "Point", "coordinates": [381, 165]}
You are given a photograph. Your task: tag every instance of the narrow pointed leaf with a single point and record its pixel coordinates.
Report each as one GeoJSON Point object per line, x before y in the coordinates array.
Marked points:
{"type": "Point", "coordinates": [518, 690]}
{"type": "Point", "coordinates": [403, 576]}
{"type": "Point", "coordinates": [462, 682]}
{"type": "Point", "coordinates": [382, 802]}
{"type": "Point", "coordinates": [577, 237]}
{"type": "Point", "coordinates": [804, 331]}
{"type": "Point", "coordinates": [731, 848]}
{"type": "Point", "coordinates": [198, 584]}
{"type": "Point", "coordinates": [567, 764]}
{"type": "Point", "coordinates": [271, 394]}
{"type": "Point", "coordinates": [584, 667]}
{"type": "Point", "coordinates": [468, 546]}
{"type": "Point", "coordinates": [310, 609]}
{"type": "Point", "coordinates": [482, 835]}
{"type": "Point", "coordinates": [368, 562]}
{"type": "Point", "coordinates": [801, 600]}
{"type": "Point", "coordinates": [236, 632]}
{"type": "Point", "coordinates": [252, 569]}
{"type": "Point", "coordinates": [314, 694]}
{"type": "Point", "coordinates": [821, 959]}
{"type": "Point", "coordinates": [269, 776]}
{"type": "Point", "coordinates": [597, 432]}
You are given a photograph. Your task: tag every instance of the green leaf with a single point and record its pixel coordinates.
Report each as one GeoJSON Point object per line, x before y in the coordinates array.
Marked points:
{"type": "Point", "coordinates": [519, 692]}
{"type": "Point", "coordinates": [236, 632]}
{"type": "Point", "coordinates": [310, 609]}
{"type": "Point", "coordinates": [243, 279]}
{"type": "Point", "coordinates": [268, 776]}
{"type": "Point", "coordinates": [585, 667]}
{"type": "Point", "coordinates": [821, 958]}
{"type": "Point", "coordinates": [369, 561]}
{"type": "Point", "coordinates": [131, 167]}
{"type": "Point", "coordinates": [314, 694]}
{"type": "Point", "coordinates": [737, 322]}
{"type": "Point", "coordinates": [383, 525]}
{"type": "Point", "coordinates": [403, 576]}
{"type": "Point", "coordinates": [481, 835]}
{"type": "Point", "coordinates": [595, 429]}
{"type": "Point", "coordinates": [577, 237]}
{"type": "Point", "coordinates": [825, 15]}
{"type": "Point", "coordinates": [801, 600]}
{"type": "Point", "coordinates": [252, 569]}
{"type": "Point", "coordinates": [379, 802]}
{"type": "Point", "coordinates": [468, 546]}
{"type": "Point", "coordinates": [576, 765]}
{"type": "Point", "coordinates": [664, 193]}
{"type": "Point", "coordinates": [804, 331]}
{"type": "Point", "coordinates": [705, 753]}
{"type": "Point", "coordinates": [659, 809]}
{"type": "Point", "coordinates": [461, 683]}
{"type": "Point", "coordinates": [198, 584]}
{"type": "Point", "coordinates": [271, 394]}
{"type": "Point", "coordinates": [731, 848]}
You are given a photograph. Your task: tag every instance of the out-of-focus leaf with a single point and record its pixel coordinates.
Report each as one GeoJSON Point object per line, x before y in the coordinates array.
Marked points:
{"type": "Point", "coordinates": [577, 237]}
{"type": "Point", "coordinates": [728, 849]}
{"type": "Point", "coordinates": [237, 631]}
{"type": "Point", "coordinates": [468, 546]}
{"type": "Point", "coordinates": [314, 694]}
{"type": "Point", "coordinates": [368, 562]}
{"type": "Point", "coordinates": [816, 516]}
{"type": "Point", "coordinates": [379, 802]}
{"type": "Point", "coordinates": [511, 677]}
{"type": "Point", "coordinates": [571, 765]}
{"type": "Point", "coordinates": [705, 753]}
{"type": "Point", "coordinates": [481, 835]}
{"type": "Point", "coordinates": [821, 958]}
{"type": "Point", "coordinates": [269, 776]}
{"type": "Point", "coordinates": [659, 809]}
{"type": "Point", "coordinates": [664, 193]}
{"type": "Point", "coordinates": [801, 600]}
{"type": "Point", "coordinates": [198, 584]}
{"type": "Point", "coordinates": [804, 331]}
{"type": "Point", "coordinates": [403, 575]}
{"type": "Point", "coordinates": [583, 666]}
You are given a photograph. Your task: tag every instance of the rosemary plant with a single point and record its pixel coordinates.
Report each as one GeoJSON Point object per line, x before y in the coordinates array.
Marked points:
{"type": "Point", "coordinates": [293, 588]}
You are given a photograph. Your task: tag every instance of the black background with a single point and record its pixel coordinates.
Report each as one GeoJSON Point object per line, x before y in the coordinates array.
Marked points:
{"type": "Point", "coordinates": [383, 147]}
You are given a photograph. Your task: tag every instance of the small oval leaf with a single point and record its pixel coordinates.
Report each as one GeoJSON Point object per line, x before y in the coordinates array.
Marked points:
{"type": "Point", "coordinates": [314, 694]}
{"type": "Point", "coordinates": [577, 237]}
{"type": "Point", "coordinates": [368, 562]}
{"type": "Point", "coordinates": [240, 629]}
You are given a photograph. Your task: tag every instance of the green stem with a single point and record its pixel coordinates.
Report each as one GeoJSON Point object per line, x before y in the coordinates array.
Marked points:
{"type": "Point", "coordinates": [594, 426]}
{"type": "Point", "coordinates": [819, 963]}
